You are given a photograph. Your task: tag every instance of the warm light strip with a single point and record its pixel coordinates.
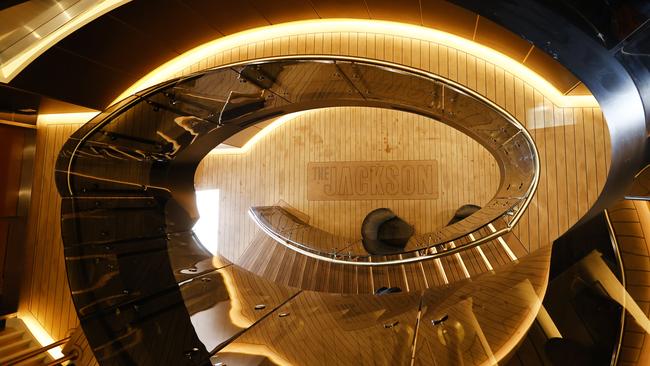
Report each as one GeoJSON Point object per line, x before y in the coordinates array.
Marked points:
{"type": "Point", "coordinates": [16, 64]}
{"type": "Point", "coordinates": [65, 118]}
{"type": "Point", "coordinates": [42, 336]}
{"type": "Point", "coordinates": [258, 136]}
{"type": "Point", "coordinates": [460, 260]}
{"type": "Point", "coordinates": [480, 251]}
{"type": "Point", "coordinates": [181, 63]}
{"type": "Point", "coordinates": [503, 243]}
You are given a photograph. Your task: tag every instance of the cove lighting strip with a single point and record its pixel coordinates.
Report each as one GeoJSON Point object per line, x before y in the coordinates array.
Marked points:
{"type": "Point", "coordinates": [179, 64]}
{"type": "Point", "coordinates": [42, 336]}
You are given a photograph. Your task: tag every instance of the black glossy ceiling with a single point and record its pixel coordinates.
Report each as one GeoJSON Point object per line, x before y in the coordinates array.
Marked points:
{"type": "Point", "coordinates": [96, 63]}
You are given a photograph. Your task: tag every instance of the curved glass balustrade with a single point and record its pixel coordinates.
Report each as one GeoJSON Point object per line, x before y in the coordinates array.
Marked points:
{"type": "Point", "coordinates": [154, 141]}
{"type": "Point", "coordinates": [148, 293]}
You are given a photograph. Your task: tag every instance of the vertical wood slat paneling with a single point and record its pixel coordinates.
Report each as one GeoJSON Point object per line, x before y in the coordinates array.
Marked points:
{"type": "Point", "coordinates": [345, 134]}
{"type": "Point", "coordinates": [558, 131]}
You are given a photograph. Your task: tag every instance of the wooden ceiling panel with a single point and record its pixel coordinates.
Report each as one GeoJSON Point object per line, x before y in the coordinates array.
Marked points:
{"type": "Point", "coordinates": [448, 17]}
{"type": "Point", "coordinates": [228, 16]}
{"type": "Point", "coordinates": [117, 45]}
{"type": "Point", "coordinates": [551, 70]}
{"type": "Point", "coordinates": [281, 11]}
{"type": "Point", "coordinates": [406, 11]}
{"type": "Point", "coordinates": [175, 24]}
{"type": "Point", "coordinates": [494, 36]}
{"type": "Point", "coordinates": [341, 9]}
{"type": "Point", "coordinates": [72, 78]}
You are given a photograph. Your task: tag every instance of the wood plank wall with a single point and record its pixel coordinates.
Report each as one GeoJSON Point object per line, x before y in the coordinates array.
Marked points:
{"type": "Point", "coordinates": [275, 168]}
{"type": "Point", "coordinates": [45, 293]}
{"type": "Point", "coordinates": [573, 143]}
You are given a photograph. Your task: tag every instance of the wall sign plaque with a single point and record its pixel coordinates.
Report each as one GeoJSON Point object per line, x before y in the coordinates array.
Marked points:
{"type": "Point", "coordinates": [364, 180]}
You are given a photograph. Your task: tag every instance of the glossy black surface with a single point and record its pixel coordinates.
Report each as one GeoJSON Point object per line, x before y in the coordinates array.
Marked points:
{"type": "Point", "coordinates": [140, 280]}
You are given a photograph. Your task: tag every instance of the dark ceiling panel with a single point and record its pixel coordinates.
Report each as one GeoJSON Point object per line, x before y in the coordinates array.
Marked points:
{"type": "Point", "coordinates": [494, 36]}
{"type": "Point", "coordinates": [341, 9]}
{"type": "Point", "coordinates": [406, 11]}
{"type": "Point", "coordinates": [18, 105]}
{"type": "Point", "coordinates": [580, 89]}
{"type": "Point", "coordinates": [448, 17]}
{"type": "Point", "coordinates": [74, 79]}
{"type": "Point", "coordinates": [551, 70]}
{"type": "Point", "coordinates": [174, 24]}
{"type": "Point", "coordinates": [115, 44]}
{"type": "Point", "coordinates": [228, 16]}
{"type": "Point", "coordinates": [9, 3]}
{"type": "Point", "coordinates": [280, 11]}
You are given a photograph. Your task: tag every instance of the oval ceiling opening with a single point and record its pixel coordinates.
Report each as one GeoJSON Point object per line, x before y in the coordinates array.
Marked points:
{"type": "Point", "coordinates": [332, 166]}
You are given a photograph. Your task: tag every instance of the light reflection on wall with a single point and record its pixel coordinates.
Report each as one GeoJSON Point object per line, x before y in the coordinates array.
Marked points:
{"type": "Point", "coordinates": [207, 227]}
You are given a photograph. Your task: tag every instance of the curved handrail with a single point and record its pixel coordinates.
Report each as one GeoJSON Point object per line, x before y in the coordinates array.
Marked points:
{"type": "Point", "coordinates": [141, 144]}
{"type": "Point", "coordinates": [434, 251]}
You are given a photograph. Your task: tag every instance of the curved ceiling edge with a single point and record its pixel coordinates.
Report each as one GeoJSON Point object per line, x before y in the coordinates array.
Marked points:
{"type": "Point", "coordinates": [180, 64]}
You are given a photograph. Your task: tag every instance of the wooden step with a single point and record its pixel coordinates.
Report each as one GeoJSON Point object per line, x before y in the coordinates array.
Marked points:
{"type": "Point", "coordinates": [14, 347]}
{"type": "Point", "coordinates": [5, 359]}
{"type": "Point", "coordinates": [10, 335]}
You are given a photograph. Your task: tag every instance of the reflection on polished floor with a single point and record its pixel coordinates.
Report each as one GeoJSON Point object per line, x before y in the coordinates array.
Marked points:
{"type": "Point", "coordinates": [316, 182]}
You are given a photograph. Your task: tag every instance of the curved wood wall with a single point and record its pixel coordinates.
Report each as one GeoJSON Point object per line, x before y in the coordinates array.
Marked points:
{"type": "Point", "coordinates": [573, 142]}
{"type": "Point", "coordinates": [275, 168]}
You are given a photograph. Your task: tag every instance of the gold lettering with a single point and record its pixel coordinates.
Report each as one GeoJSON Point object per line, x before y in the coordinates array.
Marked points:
{"type": "Point", "coordinates": [392, 180]}
{"type": "Point", "coordinates": [408, 180]}
{"type": "Point", "coordinates": [345, 182]}
{"type": "Point", "coordinates": [330, 187]}
{"type": "Point", "coordinates": [361, 180]}
{"type": "Point", "coordinates": [376, 187]}
{"type": "Point", "coordinates": [425, 180]}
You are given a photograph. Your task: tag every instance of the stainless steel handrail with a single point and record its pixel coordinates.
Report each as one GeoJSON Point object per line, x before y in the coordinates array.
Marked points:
{"type": "Point", "coordinates": [423, 254]}
{"type": "Point", "coordinates": [488, 123]}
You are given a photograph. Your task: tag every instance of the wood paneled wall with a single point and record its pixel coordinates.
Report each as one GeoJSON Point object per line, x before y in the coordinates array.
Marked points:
{"type": "Point", "coordinates": [573, 142]}
{"type": "Point", "coordinates": [275, 168]}
{"type": "Point", "coordinates": [45, 292]}
{"type": "Point", "coordinates": [573, 145]}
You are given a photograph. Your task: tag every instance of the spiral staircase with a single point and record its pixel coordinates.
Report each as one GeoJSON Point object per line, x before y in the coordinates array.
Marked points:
{"type": "Point", "coordinates": [147, 292]}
